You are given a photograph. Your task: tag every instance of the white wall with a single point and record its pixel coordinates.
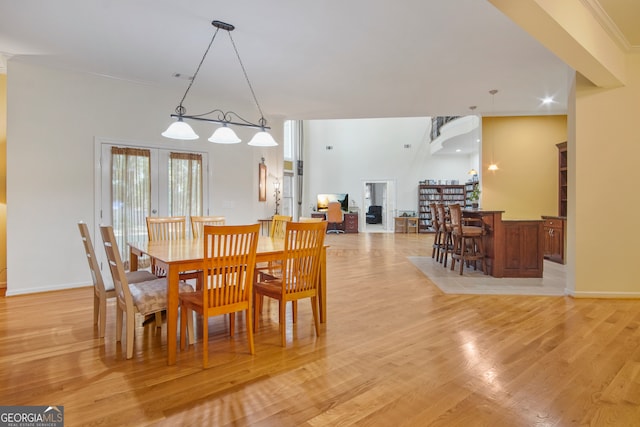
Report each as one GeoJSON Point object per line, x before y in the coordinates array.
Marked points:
{"type": "Point", "coordinates": [53, 118]}
{"type": "Point", "coordinates": [373, 149]}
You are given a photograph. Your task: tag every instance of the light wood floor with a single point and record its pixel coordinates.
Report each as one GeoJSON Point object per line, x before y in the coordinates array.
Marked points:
{"type": "Point", "coordinates": [395, 351]}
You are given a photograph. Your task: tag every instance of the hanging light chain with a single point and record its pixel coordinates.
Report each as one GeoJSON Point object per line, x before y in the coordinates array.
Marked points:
{"type": "Point", "coordinates": [180, 109]}
{"type": "Point", "coordinates": [262, 121]}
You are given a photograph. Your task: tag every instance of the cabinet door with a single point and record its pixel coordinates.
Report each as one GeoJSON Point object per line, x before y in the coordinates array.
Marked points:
{"type": "Point", "coordinates": [547, 241]}
{"type": "Point", "coordinates": [554, 240]}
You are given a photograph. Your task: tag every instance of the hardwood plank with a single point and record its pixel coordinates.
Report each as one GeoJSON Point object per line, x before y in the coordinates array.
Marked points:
{"type": "Point", "coordinates": [395, 350]}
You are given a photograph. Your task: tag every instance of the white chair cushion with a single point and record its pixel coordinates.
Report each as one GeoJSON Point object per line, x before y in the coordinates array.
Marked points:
{"type": "Point", "coordinates": [151, 296]}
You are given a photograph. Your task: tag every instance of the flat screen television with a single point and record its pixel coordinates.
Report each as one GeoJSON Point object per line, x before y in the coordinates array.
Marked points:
{"type": "Point", "coordinates": [324, 199]}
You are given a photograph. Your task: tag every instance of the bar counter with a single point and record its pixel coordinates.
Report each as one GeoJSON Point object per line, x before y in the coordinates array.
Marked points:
{"type": "Point", "coordinates": [513, 248]}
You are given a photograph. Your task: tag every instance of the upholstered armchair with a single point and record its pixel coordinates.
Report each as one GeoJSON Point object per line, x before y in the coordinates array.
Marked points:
{"type": "Point", "coordinates": [374, 215]}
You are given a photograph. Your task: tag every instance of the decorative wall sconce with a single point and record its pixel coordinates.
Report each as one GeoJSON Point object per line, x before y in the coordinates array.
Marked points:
{"type": "Point", "coordinates": [262, 182]}
{"type": "Point", "coordinates": [276, 194]}
{"type": "Point", "coordinates": [493, 166]}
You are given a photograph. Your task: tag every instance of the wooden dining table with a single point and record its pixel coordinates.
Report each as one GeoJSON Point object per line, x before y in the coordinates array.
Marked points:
{"type": "Point", "coordinates": [177, 256]}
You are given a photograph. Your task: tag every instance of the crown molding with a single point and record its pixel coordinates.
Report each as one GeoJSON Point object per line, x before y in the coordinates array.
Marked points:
{"type": "Point", "coordinates": [609, 26]}
{"type": "Point", "coordinates": [4, 57]}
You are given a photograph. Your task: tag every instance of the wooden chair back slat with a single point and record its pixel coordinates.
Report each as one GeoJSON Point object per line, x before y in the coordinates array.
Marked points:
{"type": "Point", "coordinates": [198, 223]}
{"type": "Point", "coordinates": [166, 228]}
{"type": "Point", "coordinates": [229, 262]}
{"type": "Point", "coordinates": [278, 223]}
{"type": "Point", "coordinates": [303, 245]}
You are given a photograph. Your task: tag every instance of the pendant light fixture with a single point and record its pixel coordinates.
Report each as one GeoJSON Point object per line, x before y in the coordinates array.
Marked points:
{"type": "Point", "coordinates": [493, 166]}
{"type": "Point", "coordinates": [224, 134]}
{"type": "Point", "coordinates": [473, 172]}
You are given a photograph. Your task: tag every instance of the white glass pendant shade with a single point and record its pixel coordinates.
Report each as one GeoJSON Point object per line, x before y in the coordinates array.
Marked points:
{"type": "Point", "coordinates": [224, 135]}
{"type": "Point", "coordinates": [180, 130]}
{"type": "Point", "coordinates": [263, 139]}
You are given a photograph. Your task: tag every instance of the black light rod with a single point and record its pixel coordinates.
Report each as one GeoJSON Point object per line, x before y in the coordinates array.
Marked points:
{"type": "Point", "coordinates": [203, 119]}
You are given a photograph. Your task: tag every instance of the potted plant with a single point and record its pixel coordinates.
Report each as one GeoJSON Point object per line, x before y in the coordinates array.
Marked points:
{"type": "Point", "coordinates": [474, 196]}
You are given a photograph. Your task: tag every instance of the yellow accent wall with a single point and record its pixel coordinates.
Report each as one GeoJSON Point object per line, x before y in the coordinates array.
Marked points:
{"type": "Point", "coordinates": [524, 147]}
{"type": "Point", "coordinates": [606, 151]}
{"type": "Point", "coordinates": [3, 178]}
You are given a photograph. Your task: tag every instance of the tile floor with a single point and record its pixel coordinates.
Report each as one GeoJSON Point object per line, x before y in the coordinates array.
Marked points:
{"type": "Point", "coordinates": [474, 282]}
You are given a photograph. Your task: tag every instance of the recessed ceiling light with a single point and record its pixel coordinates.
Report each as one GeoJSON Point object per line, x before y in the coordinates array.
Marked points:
{"type": "Point", "coordinates": [182, 76]}
{"type": "Point", "coordinates": [547, 100]}
{"type": "Point", "coordinates": [458, 150]}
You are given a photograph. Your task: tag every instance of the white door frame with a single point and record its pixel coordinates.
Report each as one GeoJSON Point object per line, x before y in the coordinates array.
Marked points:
{"type": "Point", "coordinates": [388, 207]}
{"type": "Point", "coordinates": [102, 213]}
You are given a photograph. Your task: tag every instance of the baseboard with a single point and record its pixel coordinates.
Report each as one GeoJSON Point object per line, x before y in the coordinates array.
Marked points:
{"type": "Point", "coordinates": [25, 291]}
{"type": "Point", "coordinates": [609, 295]}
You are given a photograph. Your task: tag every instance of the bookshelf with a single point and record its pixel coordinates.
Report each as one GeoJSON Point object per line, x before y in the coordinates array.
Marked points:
{"type": "Point", "coordinates": [562, 179]}
{"type": "Point", "coordinates": [447, 194]}
{"type": "Point", "coordinates": [468, 189]}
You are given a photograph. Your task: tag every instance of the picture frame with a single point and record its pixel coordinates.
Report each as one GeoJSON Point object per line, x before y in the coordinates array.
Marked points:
{"type": "Point", "coordinates": [262, 182]}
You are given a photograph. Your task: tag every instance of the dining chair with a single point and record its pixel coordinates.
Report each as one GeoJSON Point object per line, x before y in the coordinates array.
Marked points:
{"type": "Point", "coordinates": [300, 273]}
{"type": "Point", "coordinates": [146, 298]}
{"type": "Point", "coordinates": [468, 245]}
{"type": "Point", "coordinates": [103, 291]}
{"type": "Point", "coordinates": [278, 223]}
{"type": "Point", "coordinates": [169, 228]}
{"type": "Point", "coordinates": [198, 222]}
{"type": "Point", "coordinates": [276, 231]}
{"type": "Point", "coordinates": [166, 228]}
{"type": "Point", "coordinates": [228, 265]}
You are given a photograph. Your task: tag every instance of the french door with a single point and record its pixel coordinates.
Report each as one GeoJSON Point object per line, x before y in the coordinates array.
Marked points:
{"type": "Point", "coordinates": [141, 181]}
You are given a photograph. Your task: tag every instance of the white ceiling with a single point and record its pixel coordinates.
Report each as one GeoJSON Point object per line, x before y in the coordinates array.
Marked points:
{"type": "Point", "coordinates": [306, 60]}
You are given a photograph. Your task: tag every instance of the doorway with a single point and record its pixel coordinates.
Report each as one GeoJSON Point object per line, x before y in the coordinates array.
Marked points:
{"type": "Point", "coordinates": [381, 194]}
{"type": "Point", "coordinates": [158, 181]}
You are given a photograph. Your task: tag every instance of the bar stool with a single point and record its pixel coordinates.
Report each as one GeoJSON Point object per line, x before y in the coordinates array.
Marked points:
{"type": "Point", "coordinates": [446, 239]}
{"type": "Point", "coordinates": [468, 245]}
{"type": "Point", "coordinates": [437, 227]}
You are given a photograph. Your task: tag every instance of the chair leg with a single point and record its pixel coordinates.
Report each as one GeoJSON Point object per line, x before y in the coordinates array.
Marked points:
{"type": "Point", "coordinates": [437, 244]}
{"type": "Point", "coordinates": [454, 251]}
{"type": "Point", "coordinates": [131, 327]}
{"type": "Point", "coordinates": [119, 314]}
{"type": "Point", "coordinates": [232, 324]}
{"type": "Point", "coordinates": [448, 243]}
{"type": "Point", "coordinates": [283, 326]}
{"type": "Point", "coordinates": [190, 329]}
{"type": "Point", "coordinates": [463, 250]}
{"type": "Point", "coordinates": [96, 308]}
{"type": "Point", "coordinates": [158, 319]}
{"type": "Point", "coordinates": [205, 340]}
{"type": "Point", "coordinates": [314, 309]}
{"type": "Point", "coordinates": [256, 311]}
{"type": "Point", "coordinates": [294, 311]}
{"type": "Point", "coordinates": [249, 320]}
{"type": "Point", "coordinates": [102, 315]}
{"type": "Point", "coordinates": [186, 322]}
